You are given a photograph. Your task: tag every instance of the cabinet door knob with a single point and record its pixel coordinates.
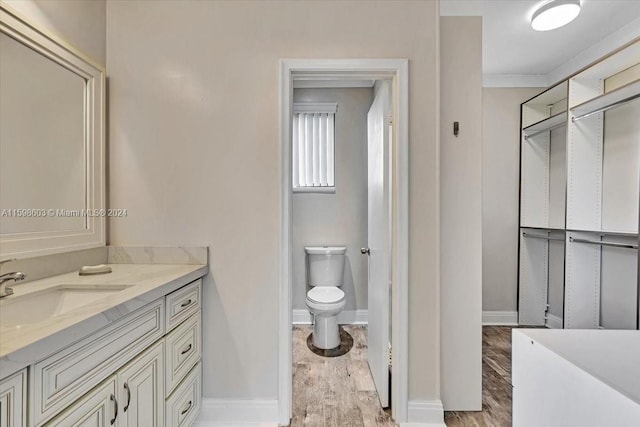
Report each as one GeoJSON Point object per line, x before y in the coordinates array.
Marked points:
{"type": "Point", "coordinates": [115, 409]}
{"type": "Point", "coordinates": [365, 251]}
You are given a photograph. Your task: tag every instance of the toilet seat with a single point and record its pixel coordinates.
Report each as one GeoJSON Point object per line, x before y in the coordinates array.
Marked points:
{"type": "Point", "coordinates": [325, 295]}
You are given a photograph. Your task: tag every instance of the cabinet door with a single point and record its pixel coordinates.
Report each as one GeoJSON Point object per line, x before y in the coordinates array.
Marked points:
{"type": "Point", "coordinates": [13, 402]}
{"type": "Point", "coordinates": [141, 389]}
{"type": "Point", "coordinates": [98, 408]}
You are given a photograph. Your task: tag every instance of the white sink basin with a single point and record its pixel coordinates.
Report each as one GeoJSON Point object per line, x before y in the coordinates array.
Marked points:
{"type": "Point", "coordinates": [51, 302]}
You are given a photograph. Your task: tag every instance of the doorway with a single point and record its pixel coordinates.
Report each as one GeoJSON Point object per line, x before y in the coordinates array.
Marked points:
{"type": "Point", "coordinates": [395, 74]}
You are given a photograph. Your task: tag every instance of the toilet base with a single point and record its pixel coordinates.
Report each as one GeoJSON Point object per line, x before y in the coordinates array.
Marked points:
{"type": "Point", "coordinates": [326, 334]}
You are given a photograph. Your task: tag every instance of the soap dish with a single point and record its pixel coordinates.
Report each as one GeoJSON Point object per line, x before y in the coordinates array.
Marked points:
{"type": "Point", "coordinates": [89, 270]}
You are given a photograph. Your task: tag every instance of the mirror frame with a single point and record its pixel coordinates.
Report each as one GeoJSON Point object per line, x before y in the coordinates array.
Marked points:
{"type": "Point", "coordinates": [23, 245]}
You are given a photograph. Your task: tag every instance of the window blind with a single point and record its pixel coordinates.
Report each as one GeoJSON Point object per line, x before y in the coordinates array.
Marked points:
{"type": "Point", "coordinates": [313, 145]}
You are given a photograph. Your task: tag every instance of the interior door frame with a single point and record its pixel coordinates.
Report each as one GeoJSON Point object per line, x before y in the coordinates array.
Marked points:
{"type": "Point", "coordinates": [397, 71]}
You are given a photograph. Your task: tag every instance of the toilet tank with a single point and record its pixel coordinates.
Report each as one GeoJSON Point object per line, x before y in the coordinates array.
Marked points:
{"type": "Point", "coordinates": [325, 265]}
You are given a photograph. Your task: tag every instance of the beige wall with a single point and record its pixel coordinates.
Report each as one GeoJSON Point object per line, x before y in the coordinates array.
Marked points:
{"type": "Point", "coordinates": [194, 156]}
{"type": "Point", "coordinates": [500, 192]}
{"type": "Point", "coordinates": [461, 212]}
{"type": "Point", "coordinates": [339, 218]}
{"type": "Point", "coordinates": [81, 23]}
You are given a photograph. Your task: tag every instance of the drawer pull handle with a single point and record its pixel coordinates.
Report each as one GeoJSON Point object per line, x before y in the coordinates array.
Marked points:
{"type": "Point", "coordinates": [115, 409]}
{"type": "Point", "coordinates": [186, 303]}
{"type": "Point", "coordinates": [186, 350]}
{"type": "Point", "coordinates": [126, 387]}
{"type": "Point", "coordinates": [185, 410]}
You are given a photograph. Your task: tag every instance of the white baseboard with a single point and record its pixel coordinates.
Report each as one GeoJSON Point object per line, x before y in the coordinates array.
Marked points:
{"type": "Point", "coordinates": [500, 318]}
{"type": "Point", "coordinates": [553, 322]}
{"type": "Point", "coordinates": [346, 317]}
{"type": "Point", "coordinates": [224, 412]}
{"type": "Point", "coordinates": [424, 413]}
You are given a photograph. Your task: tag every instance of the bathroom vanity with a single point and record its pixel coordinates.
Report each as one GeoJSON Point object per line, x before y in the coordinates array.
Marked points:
{"type": "Point", "coordinates": [120, 349]}
{"type": "Point", "coordinates": [116, 349]}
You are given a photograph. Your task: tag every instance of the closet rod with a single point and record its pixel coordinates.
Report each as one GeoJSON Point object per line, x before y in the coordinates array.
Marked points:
{"type": "Point", "coordinates": [608, 107]}
{"type": "Point", "coordinates": [604, 243]}
{"type": "Point", "coordinates": [559, 125]}
{"type": "Point", "coordinates": [537, 236]}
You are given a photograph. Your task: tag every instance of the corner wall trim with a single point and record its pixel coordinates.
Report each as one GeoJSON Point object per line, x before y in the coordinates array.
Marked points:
{"type": "Point", "coordinates": [424, 413]}
{"type": "Point", "coordinates": [500, 318]}
{"type": "Point", "coordinates": [346, 317]}
{"type": "Point", "coordinates": [225, 412]}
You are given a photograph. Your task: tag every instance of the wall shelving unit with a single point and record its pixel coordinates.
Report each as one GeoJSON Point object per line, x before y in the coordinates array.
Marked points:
{"type": "Point", "coordinates": [580, 198]}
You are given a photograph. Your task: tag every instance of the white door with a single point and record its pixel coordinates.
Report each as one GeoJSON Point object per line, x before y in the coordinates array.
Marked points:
{"type": "Point", "coordinates": [379, 241]}
{"type": "Point", "coordinates": [141, 385]}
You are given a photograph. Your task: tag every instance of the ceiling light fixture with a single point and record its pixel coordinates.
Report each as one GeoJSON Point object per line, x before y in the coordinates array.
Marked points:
{"type": "Point", "coordinates": [555, 14]}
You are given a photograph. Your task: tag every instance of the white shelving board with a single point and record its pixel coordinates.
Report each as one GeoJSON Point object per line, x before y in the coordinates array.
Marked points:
{"type": "Point", "coordinates": [589, 84]}
{"type": "Point", "coordinates": [541, 272]}
{"type": "Point", "coordinates": [546, 104]}
{"type": "Point", "coordinates": [627, 92]}
{"type": "Point", "coordinates": [600, 280]}
{"type": "Point", "coordinates": [545, 125]}
{"type": "Point", "coordinates": [621, 168]}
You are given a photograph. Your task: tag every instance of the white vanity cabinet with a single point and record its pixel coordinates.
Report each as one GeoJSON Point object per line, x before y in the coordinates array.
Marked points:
{"type": "Point", "coordinates": [13, 400]}
{"type": "Point", "coordinates": [133, 397]}
{"type": "Point", "coordinates": [183, 349]}
{"type": "Point", "coordinates": [64, 377]}
{"type": "Point", "coordinates": [141, 370]}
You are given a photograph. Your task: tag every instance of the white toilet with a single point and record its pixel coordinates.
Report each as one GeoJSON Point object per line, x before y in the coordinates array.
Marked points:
{"type": "Point", "coordinates": [325, 269]}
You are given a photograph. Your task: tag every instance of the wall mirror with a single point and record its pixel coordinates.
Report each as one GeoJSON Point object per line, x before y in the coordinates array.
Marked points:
{"type": "Point", "coordinates": [51, 143]}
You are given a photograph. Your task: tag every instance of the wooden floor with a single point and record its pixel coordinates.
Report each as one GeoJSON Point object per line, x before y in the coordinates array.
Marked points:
{"type": "Point", "coordinates": [340, 392]}
{"type": "Point", "coordinates": [496, 382]}
{"type": "Point", "coordinates": [334, 391]}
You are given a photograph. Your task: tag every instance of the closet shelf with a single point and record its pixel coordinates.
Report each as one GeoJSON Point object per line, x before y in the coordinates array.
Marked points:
{"type": "Point", "coordinates": [546, 125]}
{"type": "Point", "coordinates": [529, 227]}
{"type": "Point", "coordinates": [607, 101]}
{"type": "Point", "coordinates": [605, 232]}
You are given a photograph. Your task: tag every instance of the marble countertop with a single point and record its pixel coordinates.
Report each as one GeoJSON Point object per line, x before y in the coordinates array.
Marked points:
{"type": "Point", "coordinates": [27, 343]}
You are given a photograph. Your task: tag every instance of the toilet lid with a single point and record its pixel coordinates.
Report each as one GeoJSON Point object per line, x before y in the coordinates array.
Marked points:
{"type": "Point", "coordinates": [325, 294]}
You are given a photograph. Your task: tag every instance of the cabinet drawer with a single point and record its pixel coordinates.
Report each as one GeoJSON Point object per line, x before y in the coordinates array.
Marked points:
{"type": "Point", "coordinates": [183, 303]}
{"type": "Point", "coordinates": [13, 400]}
{"type": "Point", "coordinates": [183, 350]}
{"type": "Point", "coordinates": [64, 377]}
{"type": "Point", "coordinates": [183, 405]}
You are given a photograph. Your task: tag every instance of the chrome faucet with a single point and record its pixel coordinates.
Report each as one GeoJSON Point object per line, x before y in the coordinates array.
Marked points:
{"type": "Point", "coordinates": [16, 276]}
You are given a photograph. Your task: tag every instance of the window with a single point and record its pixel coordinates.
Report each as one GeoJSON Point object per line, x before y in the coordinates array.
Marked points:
{"type": "Point", "coordinates": [313, 147]}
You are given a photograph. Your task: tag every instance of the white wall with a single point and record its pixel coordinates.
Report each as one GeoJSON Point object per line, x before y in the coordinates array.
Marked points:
{"type": "Point", "coordinates": [461, 212]}
{"type": "Point", "coordinates": [194, 157]}
{"type": "Point", "coordinates": [340, 218]}
{"type": "Point", "coordinates": [500, 193]}
{"type": "Point", "coordinates": [81, 23]}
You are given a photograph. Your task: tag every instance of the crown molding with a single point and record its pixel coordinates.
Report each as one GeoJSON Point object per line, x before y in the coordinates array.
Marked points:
{"type": "Point", "coordinates": [515, 80]}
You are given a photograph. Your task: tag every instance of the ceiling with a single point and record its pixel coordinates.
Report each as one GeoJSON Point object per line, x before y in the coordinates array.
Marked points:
{"type": "Point", "coordinates": [512, 47]}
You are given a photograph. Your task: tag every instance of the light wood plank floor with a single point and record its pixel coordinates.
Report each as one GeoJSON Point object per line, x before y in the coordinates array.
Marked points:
{"type": "Point", "coordinates": [340, 392]}
{"type": "Point", "coordinates": [496, 383]}
{"type": "Point", "coordinates": [334, 391]}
